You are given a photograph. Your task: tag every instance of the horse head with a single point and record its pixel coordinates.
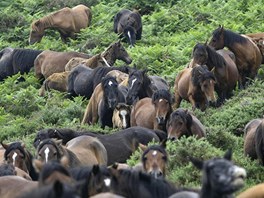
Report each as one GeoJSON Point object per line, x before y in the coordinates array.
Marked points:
{"type": "Point", "coordinates": [162, 102]}
{"type": "Point", "coordinates": [217, 40]}
{"type": "Point", "coordinates": [130, 34]}
{"type": "Point", "coordinates": [154, 159]}
{"type": "Point", "coordinates": [199, 54]}
{"type": "Point", "coordinates": [110, 89]}
{"type": "Point", "coordinates": [179, 124]}
{"type": "Point", "coordinates": [121, 116]}
{"type": "Point", "coordinates": [36, 32]}
{"type": "Point", "coordinates": [220, 176]}
{"type": "Point", "coordinates": [119, 52]}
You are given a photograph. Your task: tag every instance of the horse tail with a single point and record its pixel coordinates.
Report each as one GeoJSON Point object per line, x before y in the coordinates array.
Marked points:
{"type": "Point", "coordinates": [89, 15]}
{"type": "Point", "coordinates": [259, 144]}
{"type": "Point", "coordinates": [71, 78]}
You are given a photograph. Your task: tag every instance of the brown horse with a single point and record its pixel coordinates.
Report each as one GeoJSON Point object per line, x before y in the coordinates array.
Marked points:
{"type": "Point", "coordinates": [120, 76]}
{"type": "Point", "coordinates": [181, 122]}
{"type": "Point", "coordinates": [56, 81]}
{"type": "Point", "coordinates": [121, 116]}
{"type": "Point", "coordinates": [114, 52]}
{"type": "Point", "coordinates": [81, 151]}
{"type": "Point", "coordinates": [249, 138]}
{"type": "Point", "coordinates": [258, 39]}
{"type": "Point", "coordinates": [154, 159]}
{"type": "Point", "coordinates": [17, 154]}
{"type": "Point", "coordinates": [67, 21]}
{"type": "Point", "coordinates": [49, 62]}
{"type": "Point", "coordinates": [154, 112]}
{"type": "Point", "coordinates": [256, 191]}
{"type": "Point", "coordinates": [195, 85]}
{"type": "Point", "coordinates": [223, 67]}
{"type": "Point", "coordinates": [248, 55]}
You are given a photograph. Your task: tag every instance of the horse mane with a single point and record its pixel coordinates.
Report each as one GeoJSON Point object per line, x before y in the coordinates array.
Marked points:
{"type": "Point", "coordinates": [155, 148]}
{"type": "Point", "coordinates": [259, 141]}
{"type": "Point", "coordinates": [162, 94]}
{"type": "Point", "coordinates": [201, 73]}
{"type": "Point", "coordinates": [230, 37]}
{"type": "Point", "coordinates": [214, 59]}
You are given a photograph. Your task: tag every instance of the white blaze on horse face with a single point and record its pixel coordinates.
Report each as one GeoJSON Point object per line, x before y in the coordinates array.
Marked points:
{"type": "Point", "coordinates": [46, 154]}
{"type": "Point", "coordinates": [133, 81]}
{"type": "Point", "coordinates": [129, 35]}
{"type": "Point", "coordinates": [123, 113]}
{"type": "Point", "coordinates": [160, 100]}
{"type": "Point", "coordinates": [107, 182]}
{"type": "Point", "coordinates": [110, 83]}
{"type": "Point", "coordinates": [14, 158]}
{"type": "Point", "coordinates": [154, 153]}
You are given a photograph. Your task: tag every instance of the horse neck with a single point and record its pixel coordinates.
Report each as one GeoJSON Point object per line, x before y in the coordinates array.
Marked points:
{"type": "Point", "coordinates": [214, 59]}
{"type": "Point", "coordinates": [47, 22]}
{"type": "Point", "coordinates": [208, 192]}
{"type": "Point", "coordinates": [109, 56]}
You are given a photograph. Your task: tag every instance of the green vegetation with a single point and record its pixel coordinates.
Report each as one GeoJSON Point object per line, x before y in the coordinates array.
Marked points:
{"type": "Point", "coordinates": [170, 30]}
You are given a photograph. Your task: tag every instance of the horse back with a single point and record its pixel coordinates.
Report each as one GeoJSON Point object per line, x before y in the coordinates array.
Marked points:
{"type": "Point", "coordinates": [82, 16]}
{"type": "Point", "coordinates": [143, 113]}
{"type": "Point", "coordinates": [197, 128]}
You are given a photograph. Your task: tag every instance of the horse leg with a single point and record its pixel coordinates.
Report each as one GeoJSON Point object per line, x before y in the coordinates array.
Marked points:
{"type": "Point", "coordinates": [139, 33]}
{"type": "Point", "coordinates": [178, 100]}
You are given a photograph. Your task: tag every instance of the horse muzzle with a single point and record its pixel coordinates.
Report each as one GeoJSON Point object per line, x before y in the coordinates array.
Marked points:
{"type": "Point", "coordinates": [156, 173]}
{"type": "Point", "coordinates": [160, 120]}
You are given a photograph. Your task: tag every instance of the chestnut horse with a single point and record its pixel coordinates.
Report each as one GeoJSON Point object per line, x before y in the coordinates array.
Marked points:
{"type": "Point", "coordinates": [128, 24]}
{"type": "Point", "coordinates": [248, 55]}
{"type": "Point", "coordinates": [250, 138]}
{"type": "Point", "coordinates": [181, 122]}
{"type": "Point", "coordinates": [81, 151]}
{"type": "Point", "coordinates": [223, 67]}
{"type": "Point", "coordinates": [154, 112]}
{"type": "Point", "coordinates": [195, 85]}
{"type": "Point", "coordinates": [67, 21]}
{"type": "Point", "coordinates": [256, 191]}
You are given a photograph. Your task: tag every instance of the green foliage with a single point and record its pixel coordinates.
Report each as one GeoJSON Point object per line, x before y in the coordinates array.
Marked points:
{"type": "Point", "coordinates": [170, 31]}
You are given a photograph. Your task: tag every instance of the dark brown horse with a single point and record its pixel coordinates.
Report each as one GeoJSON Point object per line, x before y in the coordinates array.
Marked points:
{"type": "Point", "coordinates": [17, 154]}
{"type": "Point", "coordinates": [154, 112]}
{"type": "Point", "coordinates": [181, 122]}
{"type": "Point", "coordinates": [81, 151]}
{"type": "Point", "coordinates": [67, 21]}
{"type": "Point", "coordinates": [195, 85]}
{"type": "Point", "coordinates": [248, 55]}
{"type": "Point", "coordinates": [128, 24]}
{"type": "Point", "coordinates": [223, 67]}
{"type": "Point", "coordinates": [250, 138]}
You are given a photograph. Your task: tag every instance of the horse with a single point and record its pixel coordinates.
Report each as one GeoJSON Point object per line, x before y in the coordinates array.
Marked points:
{"type": "Point", "coordinates": [15, 60]}
{"type": "Point", "coordinates": [81, 151]}
{"type": "Point", "coordinates": [107, 58]}
{"type": "Point", "coordinates": [13, 186]}
{"type": "Point", "coordinates": [195, 85]}
{"type": "Point", "coordinates": [126, 140]}
{"type": "Point", "coordinates": [154, 159]}
{"type": "Point", "coordinates": [158, 82]}
{"type": "Point", "coordinates": [67, 21]}
{"type": "Point", "coordinates": [154, 112]}
{"type": "Point", "coordinates": [121, 116]}
{"type": "Point", "coordinates": [17, 154]}
{"type": "Point", "coordinates": [220, 177]}
{"type": "Point", "coordinates": [128, 24]}
{"type": "Point", "coordinates": [222, 66]}
{"type": "Point", "coordinates": [248, 55]}
{"type": "Point", "coordinates": [56, 81]}
{"type": "Point", "coordinates": [250, 138]}
{"type": "Point", "coordinates": [10, 169]}
{"type": "Point", "coordinates": [84, 83]}
{"type": "Point", "coordinates": [103, 102]}
{"type": "Point", "coordinates": [119, 75]}
{"type": "Point", "coordinates": [49, 62]}
{"type": "Point", "coordinates": [253, 192]}
{"type": "Point", "coordinates": [258, 39]}
{"type": "Point", "coordinates": [181, 122]}
{"type": "Point", "coordinates": [259, 142]}
{"type": "Point", "coordinates": [130, 183]}
{"type": "Point", "coordinates": [98, 178]}
{"type": "Point", "coordinates": [139, 86]}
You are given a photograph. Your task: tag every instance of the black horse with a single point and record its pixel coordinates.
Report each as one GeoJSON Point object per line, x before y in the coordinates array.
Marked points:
{"type": "Point", "coordinates": [128, 24]}
{"type": "Point", "coordinates": [83, 82]}
{"type": "Point", "coordinates": [16, 60]}
{"type": "Point", "coordinates": [111, 97]}
{"type": "Point", "coordinates": [119, 145]}
{"type": "Point", "coordinates": [139, 86]}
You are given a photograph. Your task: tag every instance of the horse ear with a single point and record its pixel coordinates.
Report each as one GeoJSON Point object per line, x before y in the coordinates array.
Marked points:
{"type": "Point", "coordinates": [163, 143]}
{"type": "Point", "coordinates": [142, 147]}
{"type": "Point", "coordinates": [188, 118]}
{"type": "Point", "coordinates": [197, 163]}
{"type": "Point", "coordinates": [58, 188]}
{"type": "Point", "coordinates": [228, 154]}
{"type": "Point", "coordinates": [37, 23]}
{"type": "Point", "coordinates": [38, 165]}
{"type": "Point", "coordinates": [4, 145]}
{"type": "Point", "coordinates": [23, 145]}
